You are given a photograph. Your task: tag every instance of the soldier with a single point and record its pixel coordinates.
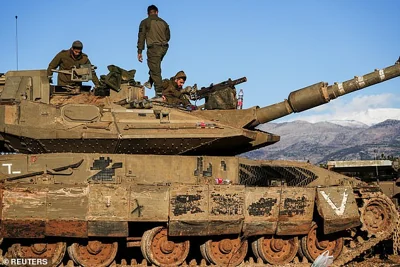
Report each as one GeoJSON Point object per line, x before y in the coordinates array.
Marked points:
{"type": "Point", "coordinates": [172, 90]}
{"type": "Point", "coordinates": [65, 60]}
{"type": "Point", "coordinates": [155, 31]}
{"type": "Point", "coordinates": [398, 61]}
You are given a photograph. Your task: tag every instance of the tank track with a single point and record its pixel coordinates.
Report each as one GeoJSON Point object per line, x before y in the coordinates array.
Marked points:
{"type": "Point", "coordinates": [363, 238]}
{"type": "Point", "coordinates": [360, 244]}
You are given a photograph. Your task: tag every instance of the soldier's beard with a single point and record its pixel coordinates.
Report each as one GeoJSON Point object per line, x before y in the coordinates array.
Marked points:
{"type": "Point", "coordinates": [75, 56]}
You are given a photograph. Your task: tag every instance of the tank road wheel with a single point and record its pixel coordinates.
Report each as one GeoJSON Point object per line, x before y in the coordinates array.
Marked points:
{"type": "Point", "coordinates": [378, 215]}
{"type": "Point", "coordinates": [204, 253]}
{"type": "Point", "coordinates": [161, 251]}
{"type": "Point", "coordinates": [254, 249]}
{"type": "Point", "coordinates": [315, 243]}
{"type": "Point", "coordinates": [54, 252]}
{"type": "Point", "coordinates": [276, 250]}
{"type": "Point", "coordinates": [143, 246]}
{"type": "Point", "coordinates": [94, 254]}
{"type": "Point", "coordinates": [225, 252]}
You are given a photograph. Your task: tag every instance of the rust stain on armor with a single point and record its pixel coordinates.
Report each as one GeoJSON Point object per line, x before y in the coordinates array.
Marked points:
{"type": "Point", "coordinates": [262, 207]}
{"type": "Point", "coordinates": [66, 228]}
{"type": "Point", "coordinates": [297, 227]}
{"type": "Point", "coordinates": [184, 204]}
{"type": "Point", "coordinates": [23, 229]}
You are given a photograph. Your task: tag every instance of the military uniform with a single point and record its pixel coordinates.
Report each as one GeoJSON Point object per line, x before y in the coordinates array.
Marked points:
{"type": "Point", "coordinates": [172, 93]}
{"type": "Point", "coordinates": [65, 61]}
{"type": "Point", "coordinates": [155, 31]}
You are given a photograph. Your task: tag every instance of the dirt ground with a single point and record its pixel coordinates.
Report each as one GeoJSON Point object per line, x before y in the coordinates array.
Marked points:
{"type": "Point", "coordinates": [392, 260]}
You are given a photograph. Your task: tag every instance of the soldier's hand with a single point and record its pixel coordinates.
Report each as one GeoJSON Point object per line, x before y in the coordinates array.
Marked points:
{"type": "Point", "coordinates": [140, 57]}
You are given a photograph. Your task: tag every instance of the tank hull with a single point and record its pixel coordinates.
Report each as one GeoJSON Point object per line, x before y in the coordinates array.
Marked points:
{"type": "Point", "coordinates": [125, 200]}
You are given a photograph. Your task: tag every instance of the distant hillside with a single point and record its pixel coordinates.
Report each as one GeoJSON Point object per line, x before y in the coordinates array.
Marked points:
{"type": "Point", "coordinates": [323, 141]}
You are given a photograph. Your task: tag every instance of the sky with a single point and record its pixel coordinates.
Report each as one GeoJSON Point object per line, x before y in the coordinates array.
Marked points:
{"type": "Point", "coordinates": [280, 46]}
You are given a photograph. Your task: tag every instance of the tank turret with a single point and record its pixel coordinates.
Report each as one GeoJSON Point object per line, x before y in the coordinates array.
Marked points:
{"type": "Point", "coordinates": [100, 124]}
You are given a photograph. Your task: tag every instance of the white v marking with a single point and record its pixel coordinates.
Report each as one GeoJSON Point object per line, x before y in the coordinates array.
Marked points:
{"type": "Point", "coordinates": [339, 211]}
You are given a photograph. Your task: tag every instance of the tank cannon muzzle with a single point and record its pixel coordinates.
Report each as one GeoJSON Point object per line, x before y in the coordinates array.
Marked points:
{"type": "Point", "coordinates": [321, 93]}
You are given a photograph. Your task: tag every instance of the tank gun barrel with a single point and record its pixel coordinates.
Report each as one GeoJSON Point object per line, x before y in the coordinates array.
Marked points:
{"type": "Point", "coordinates": [321, 93]}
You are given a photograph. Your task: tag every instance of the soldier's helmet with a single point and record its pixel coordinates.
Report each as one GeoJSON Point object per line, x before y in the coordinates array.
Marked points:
{"type": "Point", "coordinates": [181, 74]}
{"type": "Point", "coordinates": [77, 44]}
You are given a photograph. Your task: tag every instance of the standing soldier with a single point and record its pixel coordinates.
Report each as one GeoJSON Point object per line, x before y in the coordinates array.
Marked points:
{"type": "Point", "coordinates": [66, 60]}
{"type": "Point", "coordinates": [155, 31]}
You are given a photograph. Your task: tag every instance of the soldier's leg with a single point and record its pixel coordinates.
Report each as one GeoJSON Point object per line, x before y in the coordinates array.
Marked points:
{"type": "Point", "coordinates": [154, 55]}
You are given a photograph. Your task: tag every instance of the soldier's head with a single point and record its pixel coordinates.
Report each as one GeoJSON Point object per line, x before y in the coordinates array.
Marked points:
{"type": "Point", "coordinates": [180, 78]}
{"type": "Point", "coordinates": [152, 10]}
{"type": "Point", "coordinates": [77, 47]}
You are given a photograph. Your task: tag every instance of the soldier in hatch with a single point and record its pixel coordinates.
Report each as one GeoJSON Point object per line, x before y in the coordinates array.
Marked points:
{"type": "Point", "coordinates": [65, 60]}
{"type": "Point", "coordinates": [172, 90]}
{"type": "Point", "coordinates": [155, 32]}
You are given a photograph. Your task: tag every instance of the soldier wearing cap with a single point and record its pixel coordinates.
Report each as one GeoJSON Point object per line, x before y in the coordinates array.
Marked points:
{"type": "Point", "coordinates": [65, 60]}
{"type": "Point", "coordinates": [153, 31]}
{"type": "Point", "coordinates": [172, 90]}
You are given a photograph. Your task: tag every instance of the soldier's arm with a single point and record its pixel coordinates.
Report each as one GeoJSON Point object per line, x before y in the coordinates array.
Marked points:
{"type": "Point", "coordinates": [169, 90]}
{"type": "Point", "coordinates": [184, 99]}
{"type": "Point", "coordinates": [172, 92]}
{"type": "Point", "coordinates": [141, 36]}
{"type": "Point", "coordinates": [95, 79]}
{"type": "Point", "coordinates": [167, 32]}
{"type": "Point", "coordinates": [165, 87]}
{"type": "Point", "coordinates": [54, 64]}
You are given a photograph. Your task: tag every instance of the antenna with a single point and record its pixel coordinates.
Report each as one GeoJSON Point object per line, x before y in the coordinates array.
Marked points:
{"type": "Point", "coordinates": [16, 38]}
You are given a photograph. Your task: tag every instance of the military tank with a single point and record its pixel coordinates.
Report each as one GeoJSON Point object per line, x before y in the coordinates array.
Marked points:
{"type": "Point", "coordinates": [104, 180]}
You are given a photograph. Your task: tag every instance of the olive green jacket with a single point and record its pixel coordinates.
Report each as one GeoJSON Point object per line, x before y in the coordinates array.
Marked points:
{"type": "Point", "coordinates": [173, 94]}
{"type": "Point", "coordinates": [154, 30]}
{"type": "Point", "coordinates": [65, 61]}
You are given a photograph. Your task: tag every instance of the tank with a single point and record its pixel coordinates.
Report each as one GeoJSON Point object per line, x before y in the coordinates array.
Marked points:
{"type": "Point", "coordinates": [123, 180]}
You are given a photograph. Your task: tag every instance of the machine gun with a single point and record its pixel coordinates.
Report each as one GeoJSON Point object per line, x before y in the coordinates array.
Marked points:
{"type": "Point", "coordinates": [219, 96]}
{"type": "Point", "coordinates": [81, 74]}
{"type": "Point", "coordinates": [206, 91]}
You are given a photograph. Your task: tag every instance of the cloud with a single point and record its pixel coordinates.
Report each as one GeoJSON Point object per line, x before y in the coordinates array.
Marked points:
{"type": "Point", "coordinates": [368, 109]}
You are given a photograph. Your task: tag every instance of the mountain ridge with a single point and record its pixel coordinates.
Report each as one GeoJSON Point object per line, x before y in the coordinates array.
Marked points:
{"type": "Point", "coordinates": [323, 141]}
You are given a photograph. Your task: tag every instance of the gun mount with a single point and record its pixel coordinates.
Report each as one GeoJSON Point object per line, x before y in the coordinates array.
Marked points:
{"type": "Point", "coordinates": [123, 123]}
{"type": "Point", "coordinates": [81, 74]}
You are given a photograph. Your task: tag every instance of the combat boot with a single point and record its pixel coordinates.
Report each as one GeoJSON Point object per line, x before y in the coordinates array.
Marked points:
{"type": "Point", "coordinates": [148, 85]}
